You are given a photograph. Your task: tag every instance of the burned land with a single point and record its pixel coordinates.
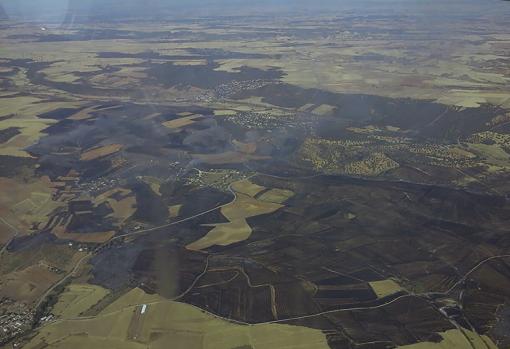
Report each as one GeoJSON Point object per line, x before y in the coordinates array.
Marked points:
{"type": "Point", "coordinates": [332, 182]}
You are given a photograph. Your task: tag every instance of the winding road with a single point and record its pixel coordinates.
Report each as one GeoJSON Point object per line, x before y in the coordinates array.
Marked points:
{"type": "Point", "coordinates": [206, 267]}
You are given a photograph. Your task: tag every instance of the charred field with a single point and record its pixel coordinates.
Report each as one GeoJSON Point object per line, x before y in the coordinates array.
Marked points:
{"type": "Point", "coordinates": [286, 182]}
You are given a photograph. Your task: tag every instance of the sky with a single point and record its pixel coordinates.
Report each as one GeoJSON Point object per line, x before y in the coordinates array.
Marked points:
{"type": "Point", "coordinates": [56, 10]}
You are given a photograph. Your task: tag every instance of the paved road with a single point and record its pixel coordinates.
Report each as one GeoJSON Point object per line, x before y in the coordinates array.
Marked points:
{"type": "Point", "coordinates": [140, 232]}
{"type": "Point", "coordinates": [80, 262]}
{"type": "Point", "coordinates": [308, 316]}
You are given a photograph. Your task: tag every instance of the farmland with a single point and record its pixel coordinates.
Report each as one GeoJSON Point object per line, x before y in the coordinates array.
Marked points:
{"type": "Point", "coordinates": [162, 321]}
{"type": "Point", "coordinates": [78, 298]}
{"type": "Point", "coordinates": [244, 206]}
{"type": "Point", "coordinates": [335, 180]}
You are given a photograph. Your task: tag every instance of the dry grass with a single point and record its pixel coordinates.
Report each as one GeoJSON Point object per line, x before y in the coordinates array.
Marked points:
{"type": "Point", "coordinates": [78, 298]}
{"type": "Point", "coordinates": [324, 109]}
{"type": "Point", "coordinates": [61, 232]}
{"type": "Point", "coordinates": [25, 204]}
{"type": "Point", "coordinates": [278, 196]}
{"type": "Point", "coordinates": [170, 325]}
{"type": "Point", "coordinates": [455, 339]}
{"type": "Point", "coordinates": [191, 62]}
{"type": "Point", "coordinates": [25, 110]}
{"type": "Point", "coordinates": [247, 187]}
{"type": "Point", "coordinates": [132, 298]}
{"type": "Point", "coordinates": [229, 157]}
{"type": "Point", "coordinates": [490, 151]}
{"type": "Point", "coordinates": [83, 341]}
{"type": "Point", "coordinates": [474, 98]}
{"type": "Point", "coordinates": [237, 212]}
{"type": "Point", "coordinates": [455, 78]}
{"type": "Point", "coordinates": [223, 234]}
{"type": "Point", "coordinates": [245, 206]}
{"type": "Point", "coordinates": [122, 208]}
{"type": "Point", "coordinates": [59, 256]}
{"type": "Point", "coordinates": [182, 122]}
{"type": "Point", "coordinates": [153, 182]}
{"type": "Point", "coordinates": [85, 114]}
{"type": "Point", "coordinates": [306, 107]}
{"type": "Point", "coordinates": [174, 211]}
{"type": "Point", "coordinates": [100, 152]}
{"type": "Point", "coordinates": [224, 112]}
{"type": "Point", "coordinates": [385, 288]}
{"type": "Point", "coordinates": [6, 233]}
{"type": "Point", "coordinates": [247, 148]}
{"type": "Point", "coordinates": [29, 284]}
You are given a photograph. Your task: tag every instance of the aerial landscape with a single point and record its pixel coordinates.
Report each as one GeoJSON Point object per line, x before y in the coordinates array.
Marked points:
{"type": "Point", "coordinates": [231, 175]}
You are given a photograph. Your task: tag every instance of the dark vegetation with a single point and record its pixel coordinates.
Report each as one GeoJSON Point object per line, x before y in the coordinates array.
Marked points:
{"type": "Point", "coordinates": [8, 133]}
{"type": "Point", "coordinates": [205, 76]}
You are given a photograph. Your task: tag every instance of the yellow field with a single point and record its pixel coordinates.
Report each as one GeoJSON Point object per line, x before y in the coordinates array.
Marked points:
{"type": "Point", "coordinates": [369, 129]}
{"type": "Point", "coordinates": [126, 77]}
{"type": "Point", "coordinates": [23, 204]}
{"type": "Point", "coordinates": [100, 152]}
{"type": "Point", "coordinates": [306, 107]}
{"type": "Point", "coordinates": [492, 152]}
{"type": "Point", "coordinates": [181, 122]}
{"type": "Point", "coordinates": [31, 131]}
{"type": "Point", "coordinates": [224, 112]}
{"type": "Point", "coordinates": [6, 232]}
{"type": "Point", "coordinates": [455, 339]}
{"type": "Point", "coordinates": [223, 234]}
{"type": "Point", "coordinates": [278, 196]}
{"type": "Point", "coordinates": [385, 288]}
{"type": "Point", "coordinates": [324, 109]}
{"type": "Point", "coordinates": [248, 148]}
{"type": "Point", "coordinates": [61, 232]}
{"type": "Point", "coordinates": [123, 209]}
{"type": "Point", "coordinates": [257, 103]}
{"type": "Point", "coordinates": [190, 62]}
{"type": "Point", "coordinates": [153, 182]}
{"type": "Point", "coordinates": [238, 229]}
{"type": "Point", "coordinates": [247, 187]}
{"type": "Point", "coordinates": [169, 325]}
{"type": "Point", "coordinates": [335, 68]}
{"type": "Point", "coordinates": [29, 284]}
{"type": "Point", "coordinates": [228, 157]}
{"type": "Point", "coordinates": [174, 210]}
{"type": "Point", "coordinates": [132, 298]}
{"type": "Point", "coordinates": [60, 256]}
{"type": "Point", "coordinates": [78, 298]}
{"type": "Point", "coordinates": [25, 110]}
{"type": "Point", "coordinates": [62, 71]}
{"type": "Point", "coordinates": [474, 98]}
{"type": "Point", "coordinates": [85, 114]}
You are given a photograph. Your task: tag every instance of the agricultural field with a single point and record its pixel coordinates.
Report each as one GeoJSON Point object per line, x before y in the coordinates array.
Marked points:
{"type": "Point", "coordinates": [244, 206]}
{"type": "Point", "coordinates": [77, 299]}
{"type": "Point", "coordinates": [99, 152]}
{"type": "Point", "coordinates": [154, 323]}
{"type": "Point", "coordinates": [256, 177]}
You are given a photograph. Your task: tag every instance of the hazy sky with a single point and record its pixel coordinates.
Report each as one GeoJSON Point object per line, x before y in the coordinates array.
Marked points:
{"type": "Point", "coordinates": [57, 9]}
